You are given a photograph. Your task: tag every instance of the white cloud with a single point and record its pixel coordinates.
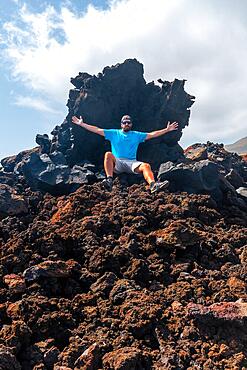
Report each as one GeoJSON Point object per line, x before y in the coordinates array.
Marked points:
{"type": "Point", "coordinates": [35, 103]}
{"type": "Point", "coordinates": [202, 42]}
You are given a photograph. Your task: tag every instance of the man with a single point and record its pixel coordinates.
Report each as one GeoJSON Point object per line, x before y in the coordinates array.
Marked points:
{"type": "Point", "coordinates": [124, 144]}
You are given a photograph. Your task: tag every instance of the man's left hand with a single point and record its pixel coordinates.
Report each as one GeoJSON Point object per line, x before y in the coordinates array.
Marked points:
{"type": "Point", "coordinates": [172, 126]}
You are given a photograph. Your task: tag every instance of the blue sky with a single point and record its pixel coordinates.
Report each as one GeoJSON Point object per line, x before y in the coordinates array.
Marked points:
{"type": "Point", "coordinates": [21, 121]}
{"type": "Point", "coordinates": [43, 44]}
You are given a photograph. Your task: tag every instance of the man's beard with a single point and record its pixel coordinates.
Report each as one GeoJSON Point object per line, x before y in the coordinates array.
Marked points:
{"type": "Point", "coordinates": [126, 129]}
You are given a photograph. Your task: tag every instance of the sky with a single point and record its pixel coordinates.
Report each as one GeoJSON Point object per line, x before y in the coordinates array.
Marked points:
{"type": "Point", "coordinates": [45, 43]}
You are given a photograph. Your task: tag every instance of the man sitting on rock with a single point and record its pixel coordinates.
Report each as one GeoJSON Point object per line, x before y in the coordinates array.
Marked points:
{"type": "Point", "coordinates": [124, 143]}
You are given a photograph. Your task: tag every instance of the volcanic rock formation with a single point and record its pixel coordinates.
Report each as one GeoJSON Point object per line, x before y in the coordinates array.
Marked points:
{"type": "Point", "coordinates": [74, 156]}
{"type": "Point", "coordinates": [120, 90]}
{"type": "Point", "coordinates": [208, 169]}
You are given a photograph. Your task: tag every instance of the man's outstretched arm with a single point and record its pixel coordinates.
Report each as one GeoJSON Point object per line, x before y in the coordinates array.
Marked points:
{"type": "Point", "coordinates": [95, 129]}
{"type": "Point", "coordinates": [170, 127]}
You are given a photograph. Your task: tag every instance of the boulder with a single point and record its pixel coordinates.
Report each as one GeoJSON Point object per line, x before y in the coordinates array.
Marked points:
{"type": "Point", "coordinates": [227, 311]}
{"type": "Point", "coordinates": [49, 269]}
{"type": "Point", "coordinates": [16, 335]}
{"type": "Point", "coordinates": [178, 235]}
{"type": "Point", "coordinates": [196, 152]}
{"type": "Point", "coordinates": [104, 284]}
{"type": "Point", "coordinates": [199, 177]}
{"type": "Point", "coordinates": [50, 172]}
{"type": "Point", "coordinates": [231, 165]}
{"type": "Point", "coordinates": [90, 359]}
{"type": "Point", "coordinates": [8, 178]}
{"type": "Point", "coordinates": [127, 358]}
{"type": "Point", "coordinates": [15, 283]}
{"type": "Point", "coordinates": [9, 163]}
{"type": "Point", "coordinates": [11, 203]}
{"type": "Point", "coordinates": [44, 142]}
{"type": "Point", "coordinates": [73, 156]}
{"type": "Point", "coordinates": [227, 160]}
{"type": "Point", "coordinates": [235, 179]}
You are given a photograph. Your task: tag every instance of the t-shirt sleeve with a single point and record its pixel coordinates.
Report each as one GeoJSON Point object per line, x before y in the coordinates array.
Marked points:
{"type": "Point", "coordinates": [109, 133]}
{"type": "Point", "coordinates": [141, 136]}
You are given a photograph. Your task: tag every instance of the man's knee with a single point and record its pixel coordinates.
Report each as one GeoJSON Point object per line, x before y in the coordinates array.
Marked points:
{"type": "Point", "coordinates": [109, 155]}
{"type": "Point", "coordinates": [145, 167]}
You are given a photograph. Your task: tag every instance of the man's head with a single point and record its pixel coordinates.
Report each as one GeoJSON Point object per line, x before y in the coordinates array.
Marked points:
{"type": "Point", "coordinates": [126, 123]}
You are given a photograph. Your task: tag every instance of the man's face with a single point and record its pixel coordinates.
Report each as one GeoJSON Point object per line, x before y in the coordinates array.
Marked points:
{"type": "Point", "coordinates": [126, 125]}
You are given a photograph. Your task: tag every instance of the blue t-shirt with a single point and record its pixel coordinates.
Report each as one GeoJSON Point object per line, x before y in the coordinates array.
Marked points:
{"type": "Point", "coordinates": [124, 144]}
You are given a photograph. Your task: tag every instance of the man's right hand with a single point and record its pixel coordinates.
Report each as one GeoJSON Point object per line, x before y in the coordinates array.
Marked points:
{"type": "Point", "coordinates": [77, 121]}
{"type": "Point", "coordinates": [95, 129]}
{"type": "Point", "coordinates": [171, 126]}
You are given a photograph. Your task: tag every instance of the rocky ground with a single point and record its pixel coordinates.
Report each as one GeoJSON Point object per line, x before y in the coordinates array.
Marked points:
{"type": "Point", "coordinates": [126, 280]}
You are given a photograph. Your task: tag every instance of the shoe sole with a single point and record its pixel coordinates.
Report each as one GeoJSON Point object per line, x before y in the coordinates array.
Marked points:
{"type": "Point", "coordinates": [162, 186]}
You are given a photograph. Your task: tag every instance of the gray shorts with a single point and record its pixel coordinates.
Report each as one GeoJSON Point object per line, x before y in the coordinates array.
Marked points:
{"type": "Point", "coordinates": [126, 165]}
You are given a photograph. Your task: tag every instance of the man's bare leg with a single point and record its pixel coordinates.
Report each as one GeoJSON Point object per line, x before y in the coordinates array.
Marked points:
{"type": "Point", "coordinates": [146, 171]}
{"type": "Point", "coordinates": [109, 165]}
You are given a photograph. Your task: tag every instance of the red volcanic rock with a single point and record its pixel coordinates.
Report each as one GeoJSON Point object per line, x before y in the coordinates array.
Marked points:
{"type": "Point", "coordinates": [230, 311]}
{"type": "Point", "coordinates": [14, 310]}
{"type": "Point", "coordinates": [179, 291]}
{"type": "Point", "coordinates": [108, 285]}
{"type": "Point", "coordinates": [196, 152]}
{"type": "Point", "coordinates": [126, 358]}
{"type": "Point", "coordinates": [15, 283]}
{"type": "Point", "coordinates": [58, 269]}
{"type": "Point", "coordinates": [16, 335]}
{"type": "Point", "coordinates": [138, 271]}
{"type": "Point", "coordinates": [178, 235]}
{"type": "Point", "coordinates": [244, 156]}
{"type": "Point", "coordinates": [77, 346]}
{"type": "Point", "coordinates": [243, 255]}
{"type": "Point", "coordinates": [139, 312]}
{"type": "Point", "coordinates": [62, 210]}
{"type": "Point", "coordinates": [105, 283]}
{"type": "Point", "coordinates": [237, 287]}
{"type": "Point", "coordinates": [90, 359]}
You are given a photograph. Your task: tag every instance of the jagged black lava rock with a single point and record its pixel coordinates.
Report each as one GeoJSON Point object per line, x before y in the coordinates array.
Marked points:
{"type": "Point", "coordinates": [121, 89]}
